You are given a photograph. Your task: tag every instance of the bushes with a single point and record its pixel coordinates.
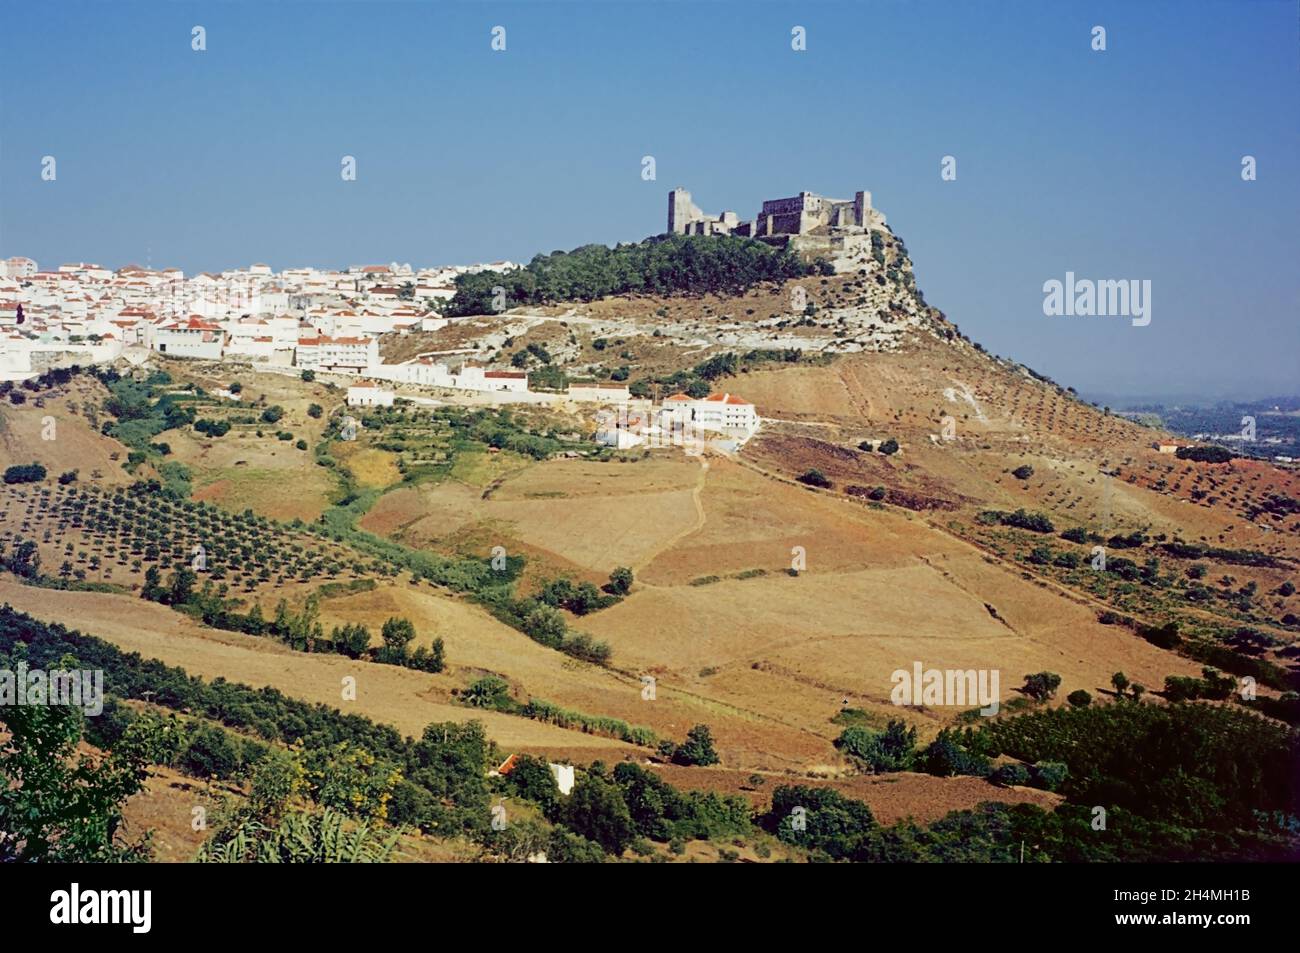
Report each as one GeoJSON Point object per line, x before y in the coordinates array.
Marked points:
{"type": "Point", "coordinates": [890, 750]}
{"type": "Point", "coordinates": [661, 812]}
{"type": "Point", "coordinates": [213, 428]}
{"type": "Point", "coordinates": [24, 473]}
{"type": "Point", "coordinates": [820, 819]}
{"type": "Point", "coordinates": [1042, 685]}
{"type": "Point", "coordinates": [1204, 454]}
{"type": "Point", "coordinates": [210, 754]}
{"type": "Point", "coordinates": [1188, 764]}
{"type": "Point", "coordinates": [814, 478]}
{"type": "Point", "coordinates": [1035, 522]}
{"type": "Point", "coordinates": [1023, 472]}
{"type": "Point", "coordinates": [945, 757]}
{"type": "Point", "coordinates": [595, 809]}
{"type": "Point", "coordinates": [665, 265]}
{"type": "Point", "coordinates": [1010, 775]}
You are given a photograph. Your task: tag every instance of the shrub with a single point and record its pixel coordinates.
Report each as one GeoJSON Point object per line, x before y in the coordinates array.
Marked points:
{"type": "Point", "coordinates": [1049, 775]}
{"type": "Point", "coordinates": [1023, 472]}
{"type": "Point", "coordinates": [1009, 775]}
{"type": "Point", "coordinates": [1042, 685]}
{"type": "Point", "coordinates": [814, 478]}
{"type": "Point", "coordinates": [24, 473]}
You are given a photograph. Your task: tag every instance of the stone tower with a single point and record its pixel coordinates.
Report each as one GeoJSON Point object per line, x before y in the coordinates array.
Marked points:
{"type": "Point", "coordinates": [861, 208]}
{"type": "Point", "coordinates": [679, 211]}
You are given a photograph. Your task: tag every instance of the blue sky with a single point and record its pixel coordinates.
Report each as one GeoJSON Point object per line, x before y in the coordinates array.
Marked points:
{"type": "Point", "coordinates": [1117, 164]}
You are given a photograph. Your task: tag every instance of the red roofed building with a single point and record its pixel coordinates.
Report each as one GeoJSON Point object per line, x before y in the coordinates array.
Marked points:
{"type": "Point", "coordinates": [190, 337]}
{"type": "Point", "coordinates": [728, 413]}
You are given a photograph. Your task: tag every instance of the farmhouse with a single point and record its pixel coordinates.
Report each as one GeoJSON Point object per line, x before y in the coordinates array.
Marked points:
{"type": "Point", "coordinates": [369, 394]}
{"type": "Point", "coordinates": [727, 413]}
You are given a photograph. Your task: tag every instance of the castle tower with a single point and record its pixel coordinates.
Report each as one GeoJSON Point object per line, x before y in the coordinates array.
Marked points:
{"type": "Point", "coordinates": [861, 207]}
{"type": "Point", "coordinates": [679, 211]}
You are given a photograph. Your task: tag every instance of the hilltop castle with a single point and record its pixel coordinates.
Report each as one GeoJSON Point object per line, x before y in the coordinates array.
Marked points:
{"type": "Point", "coordinates": [808, 222]}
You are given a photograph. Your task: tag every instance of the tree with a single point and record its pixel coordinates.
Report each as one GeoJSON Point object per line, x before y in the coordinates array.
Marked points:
{"type": "Point", "coordinates": [814, 477]}
{"type": "Point", "coordinates": [490, 691]}
{"type": "Point", "coordinates": [1042, 685]}
{"type": "Point", "coordinates": [890, 750]}
{"type": "Point", "coordinates": [25, 560]}
{"type": "Point", "coordinates": [530, 777]}
{"type": "Point", "coordinates": [210, 754]}
{"type": "Point", "coordinates": [181, 587]}
{"type": "Point", "coordinates": [24, 472]}
{"type": "Point", "coordinates": [1120, 681]}
{"type": "Point", "coordinates": [352, 640]}
{"type": "Point", "coordinates": [620, 581]}
{"type": "Point", "coordinates": [888, 447]}
{"type": "Point", "coordinates": [1079, 698]}
{"type": "Point", "coordinates": [697, 749]}
{"type": "Point", "coordinates": [1010, 775]}
{"type": "Point", "coordinates": [57, 806]}
{"type": "Point", "coordinates": [596, 810]}
{"type": "Point", "coordinates": [152, 590]}
{"type": "Point", "coordinates": [308, 376]}
{"type": "Point", "coordinates": [1023, 472]}
{"type": "Point", "coordinates": [315, 410]}
{"type": "Point", "coordinates": [397, 635]}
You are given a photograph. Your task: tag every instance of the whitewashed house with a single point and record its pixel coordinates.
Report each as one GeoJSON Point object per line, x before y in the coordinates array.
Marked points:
{"type": "Point", "coordinates": [193, 337]}
{"type": "Point", "coordinates": [369, 394]}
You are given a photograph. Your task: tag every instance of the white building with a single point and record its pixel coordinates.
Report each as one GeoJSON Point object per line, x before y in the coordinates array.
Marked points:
{"type": "Point", "coordinates": [600, 393]}
{"type": "Point", "coordinates": [193, 337]}
{"type": "Point", "coordinates": [726, 413]}
{"type": "Point", "coordinates": [17, 267]}
{"type": "Point", "coordinates": [344, 355]}
{"type": "Point", "coordinates": [369, 394]}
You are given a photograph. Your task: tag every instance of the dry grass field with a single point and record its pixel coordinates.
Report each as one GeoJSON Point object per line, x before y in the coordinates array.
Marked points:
{"type": "Point", "coordinates": [74, 441]}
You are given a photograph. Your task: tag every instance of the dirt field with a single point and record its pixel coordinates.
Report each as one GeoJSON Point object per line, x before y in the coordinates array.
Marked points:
{"type": "Point", "coordinates": [67, 440]}
{"type": "Point", "coordinates": [406, 699]}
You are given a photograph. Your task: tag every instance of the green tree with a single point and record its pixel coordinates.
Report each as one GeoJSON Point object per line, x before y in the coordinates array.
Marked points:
{"type": "Point", "coordinates": [56, 805]}
{"type": "Point", "coordinates": [620, 581]}
{"type": "Point", "coordinates": [596, 810]}
{"type": "Point", "coordinates": [210, 754]}
{"type": "Point", "coordinates": [397, 635]}
{"type": "Point", "coordinates": [697, 749]}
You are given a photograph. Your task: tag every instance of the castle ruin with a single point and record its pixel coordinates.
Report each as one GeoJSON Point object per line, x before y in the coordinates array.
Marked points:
{"type": "Point", "coordinates": [807, 223]}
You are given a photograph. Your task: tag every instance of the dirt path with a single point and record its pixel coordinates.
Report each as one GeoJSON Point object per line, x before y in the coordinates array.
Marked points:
{"type": "Point", "coordinates": [696, 498]}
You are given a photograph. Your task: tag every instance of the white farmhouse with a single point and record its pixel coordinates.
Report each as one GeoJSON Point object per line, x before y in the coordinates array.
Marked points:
{"type": "Point", "coordinates": [726, 413]}
{"type": "Point", "coordinates": [369, 394]}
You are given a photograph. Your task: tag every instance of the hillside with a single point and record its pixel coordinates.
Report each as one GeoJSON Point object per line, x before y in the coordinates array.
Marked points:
{"type": "Point", "coordinates": [960, 504]}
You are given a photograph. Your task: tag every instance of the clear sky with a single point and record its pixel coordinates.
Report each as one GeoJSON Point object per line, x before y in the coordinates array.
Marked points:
{"type": "Point", "coordinates": [1117, 164]}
